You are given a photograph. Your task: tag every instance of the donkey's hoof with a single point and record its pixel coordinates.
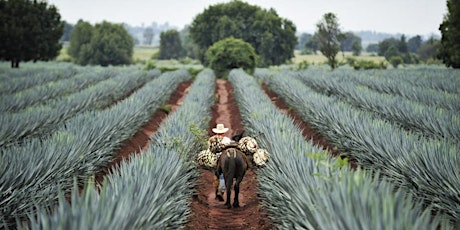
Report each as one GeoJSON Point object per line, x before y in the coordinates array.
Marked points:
{"type": "Point", "coordinates": [220, 198]}
{"type": "Point", "coordinates": [236, 205]}
{"type": "Point", "coordinates": [228, 205]}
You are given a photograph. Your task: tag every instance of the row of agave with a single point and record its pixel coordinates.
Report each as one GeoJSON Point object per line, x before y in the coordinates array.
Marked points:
{"type": "Point", "coordinates": [428, 120]}
{"type": "Point", "coordinates": [35, 95]}
{"type": "Point", "coordinates": [40, 121]}
{"type": "Point", "coordinates": [425, 168]}
{"type": "Point", "coordinates": [304, 188]}
{"type": "Point", "coordinates": [32, 174]}
{"type": "Point", "coordinates": [15, 80]}
{"type": "Point", "coordinates": [153, 189]}
{"type": "Point", "coordinates": [427, 77]}
{"type": "Point", "coordinates": [409, 90]}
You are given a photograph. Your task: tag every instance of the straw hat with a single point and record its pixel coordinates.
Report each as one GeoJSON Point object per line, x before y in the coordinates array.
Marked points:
{"type": "Point", "coordinates": [220, 129]}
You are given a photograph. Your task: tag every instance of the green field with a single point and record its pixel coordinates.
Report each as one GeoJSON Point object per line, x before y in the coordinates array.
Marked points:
{"type": "Point", "coordinates": [63, 124]}
{"type": "Point", "coordinates": [318, 58]}
{"type": "Point", "coordinates": [144, 53]}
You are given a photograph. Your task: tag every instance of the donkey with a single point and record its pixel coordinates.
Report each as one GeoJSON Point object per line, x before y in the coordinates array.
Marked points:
{"type": "Point", "coordinates": [233, 164]}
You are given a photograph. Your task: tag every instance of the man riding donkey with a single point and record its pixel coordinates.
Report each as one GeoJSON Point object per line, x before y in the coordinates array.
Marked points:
{"type": "Point", "coordinates": [219, 142]}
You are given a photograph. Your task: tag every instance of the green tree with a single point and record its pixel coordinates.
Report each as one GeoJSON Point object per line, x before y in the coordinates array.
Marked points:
{"type": "Point", "coordinates": [272, 37]}
{"type": "Point", "coordinates": [328, 37]}
{"type": "Point", "coordinates": [356, 47]}
{"type": "Point", "coordinates": [170, 45]}
{"type": "Point", "coordinates": [30, 31]}
{"type": "Point", "coordinates": [429, 49]}
{"type": "Point", "coordinates": [414, 43]}
{"type": "Point", "coordinates": [402, 45]}
{"type": "Point", "coordinates": [80, 37]}
{"type": "Point", "coordinates": [392, 52]}
{"type": "Point", "coordinates": [111, 45]}
{"type": "Point", "coordinates": [67, 30]}
{"type": "Point", "coordinates": [396, 61]}
{"type": "Point", "coordinates": [148, 36]}
{"type": "Point", "coordinates": [190, 48]}
{"type": "Point", "coordinates": [372, 48]}
{"type": "Point", "coordinates": [349, 38]}
{"type": "Point", "coordinates": [231, 53]}
{"type": "Point", "coordinates": [104, 44]}
{"type": "Point", "coordinates": [450, 31]}
{"type": "Point", "coordinates": [385, 44]}
{"type": "Point", "coordinates": [311, 45]}
{"type": "Point", "coordinates": [302, 40]}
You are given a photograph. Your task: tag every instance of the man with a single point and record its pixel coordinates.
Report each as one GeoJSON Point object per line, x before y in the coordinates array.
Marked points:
{"type": "Point", "coordinates": [217, 144]}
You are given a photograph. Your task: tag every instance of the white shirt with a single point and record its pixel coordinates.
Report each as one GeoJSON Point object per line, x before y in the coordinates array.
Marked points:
{"type": "Point", "coordinates": [226, 140]}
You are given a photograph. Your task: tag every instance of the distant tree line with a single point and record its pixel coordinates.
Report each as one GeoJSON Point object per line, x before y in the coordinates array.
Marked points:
{"type": "Point", "coordinates": [33, 30]}
{"type": "Point", "coordinates": [349, 42]}
{"type": "Point", "coordinates": [395, 50]}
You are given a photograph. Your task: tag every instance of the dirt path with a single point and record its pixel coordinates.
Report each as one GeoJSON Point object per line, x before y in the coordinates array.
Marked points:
{"type": "Point", "coordinates": [209, 213]}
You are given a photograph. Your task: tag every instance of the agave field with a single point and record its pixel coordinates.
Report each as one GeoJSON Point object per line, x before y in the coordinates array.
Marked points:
{"type": "Point", "coordinates": [62, 125]}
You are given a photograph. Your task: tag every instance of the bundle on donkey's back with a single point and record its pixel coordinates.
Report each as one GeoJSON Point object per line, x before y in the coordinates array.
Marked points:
{"type": "Point", "coordinates": [230, 159]}
{"type": "Point", "coordinates": [217, 143]}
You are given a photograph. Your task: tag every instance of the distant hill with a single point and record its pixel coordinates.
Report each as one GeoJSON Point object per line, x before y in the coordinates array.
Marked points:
{"type": "Point", "coordinates": [373, 37]}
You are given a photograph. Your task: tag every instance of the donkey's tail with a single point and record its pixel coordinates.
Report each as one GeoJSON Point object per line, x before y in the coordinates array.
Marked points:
{"type": "Point", "coordinates": [231, 158]}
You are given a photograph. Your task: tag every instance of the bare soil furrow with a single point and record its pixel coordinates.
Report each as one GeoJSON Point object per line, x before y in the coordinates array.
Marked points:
{"type": "Point", "coordinates": [209, 213]}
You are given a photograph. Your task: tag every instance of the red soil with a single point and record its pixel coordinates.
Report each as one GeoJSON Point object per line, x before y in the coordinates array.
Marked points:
{"type": "Point", "coordinates": [209, 213]}
{"type": "Point", "coordinates": [141, 138]}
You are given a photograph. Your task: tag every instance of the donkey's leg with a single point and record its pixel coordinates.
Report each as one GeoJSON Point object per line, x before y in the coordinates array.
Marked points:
{"type": "Point", "coordinates": [228, 183]}
{"type": "Point", "coordinates": [236, 202]}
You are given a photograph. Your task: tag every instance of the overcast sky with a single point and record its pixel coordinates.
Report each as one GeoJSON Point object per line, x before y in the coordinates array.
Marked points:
{"type": "Point", "coordinates": [410, 17]}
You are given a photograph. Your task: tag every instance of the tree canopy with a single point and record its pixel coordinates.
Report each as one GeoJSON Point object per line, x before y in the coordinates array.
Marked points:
{"type": "Point", "coordinates": [148, 36]}
{"type": "Point", "coordinates": [414, 43]}
{"type": "Point", "coordinates": [428, 51]}
{"type": "Point", "coordinates": [190, 48]}
{"type": "Point", "coordinates": [329, 38]}
{"type": "Point", "coordinates": [79, 38]}
{"type": "Point", "coordinates": [170, 45]}
{"type": "Point", "coordinates": [103, 44]}
{"type": "Point", "coordinates": [272, 37]}
{"type": "Point", "coordinates": [30, 31]}
{"type": "Point", "coordinates": [350, 42]}
{"type": "Point", "coordinates": [67, 30]}
{"type": "Point", "coordinates": [450, 30]}
{"type": "Point", "coordinates": [311, 45]}
{"type": "Point", "coordinates": [231, 53]}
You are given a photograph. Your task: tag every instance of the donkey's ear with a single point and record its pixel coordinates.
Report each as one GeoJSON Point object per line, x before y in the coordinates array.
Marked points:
{"type": "Point", "coordinates": [237, 137]}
